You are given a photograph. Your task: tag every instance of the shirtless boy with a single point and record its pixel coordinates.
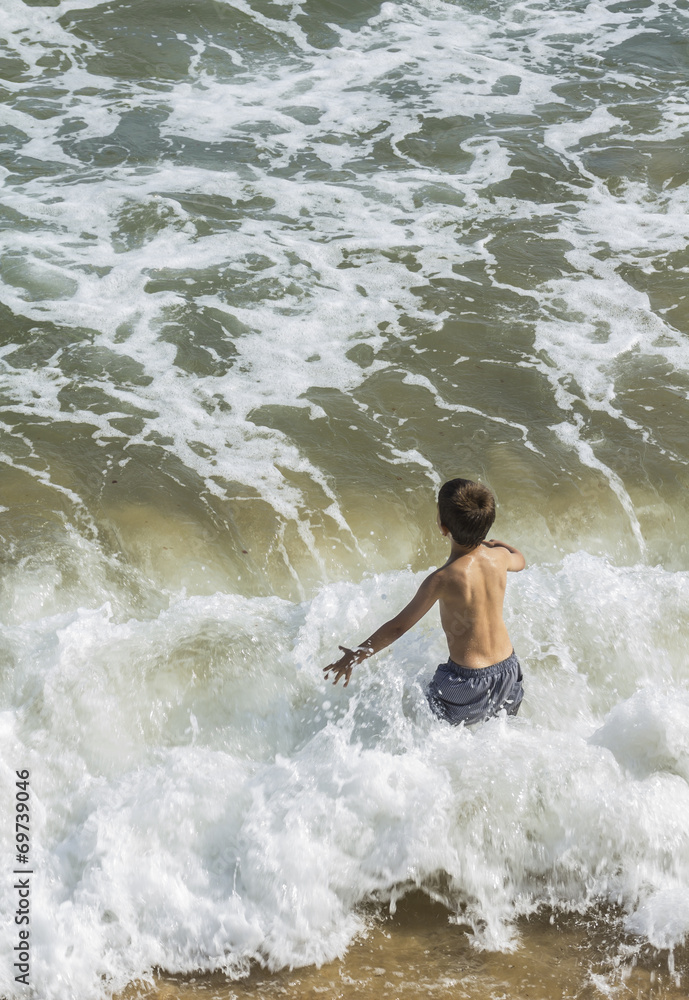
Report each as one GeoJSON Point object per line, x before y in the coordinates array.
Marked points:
{"type": "Point", "coordinates": [482, 675]}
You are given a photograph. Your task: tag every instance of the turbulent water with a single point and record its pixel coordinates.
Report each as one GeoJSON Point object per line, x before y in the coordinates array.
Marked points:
{"type": "Point", "coordinates": [270, 272]}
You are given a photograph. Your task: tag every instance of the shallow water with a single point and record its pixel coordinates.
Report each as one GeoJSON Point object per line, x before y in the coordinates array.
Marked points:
{"type": "Point", "coordinates": [417, 953]}
{"type": "Point", "coordinates": [269, 273]}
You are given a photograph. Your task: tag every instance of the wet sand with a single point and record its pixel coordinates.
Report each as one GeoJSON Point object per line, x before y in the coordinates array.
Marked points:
{"type": "Point", "coordinates": [417, 953]}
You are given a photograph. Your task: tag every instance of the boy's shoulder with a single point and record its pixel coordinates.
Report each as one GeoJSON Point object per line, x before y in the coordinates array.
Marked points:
{"type": "Point", "coordinates": [504, 555]}
{"type": "Point", "coordinates": [485, 558]}
{"type": "Point", "coordinates": [489, 559]}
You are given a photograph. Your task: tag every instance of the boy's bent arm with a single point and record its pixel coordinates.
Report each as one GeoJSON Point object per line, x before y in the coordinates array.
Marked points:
{"type": "Point", "coordinates": [422, 601]}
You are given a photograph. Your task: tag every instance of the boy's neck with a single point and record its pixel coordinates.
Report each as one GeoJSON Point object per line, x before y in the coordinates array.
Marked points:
{"type": "Point", "coordinates": [457, 550]}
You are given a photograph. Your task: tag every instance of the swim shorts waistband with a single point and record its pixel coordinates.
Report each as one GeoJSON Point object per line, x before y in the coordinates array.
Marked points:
{"type": "Point", "coordinates": [469, 672]}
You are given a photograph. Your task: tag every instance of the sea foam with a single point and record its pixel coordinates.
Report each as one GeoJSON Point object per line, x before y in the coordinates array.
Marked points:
{"type": "Point", "coordinates": [203, 799]}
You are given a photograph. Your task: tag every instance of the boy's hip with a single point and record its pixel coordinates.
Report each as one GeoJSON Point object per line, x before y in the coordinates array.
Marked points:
{"type": "Point", "coordinates": [465, 694]}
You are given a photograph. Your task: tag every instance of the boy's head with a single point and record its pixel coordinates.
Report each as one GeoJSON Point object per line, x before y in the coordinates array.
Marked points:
{"type": "Point", "coordinates": [467, 510]}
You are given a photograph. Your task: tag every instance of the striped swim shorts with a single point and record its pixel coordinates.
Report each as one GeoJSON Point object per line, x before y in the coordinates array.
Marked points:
{"type": "Point", "coordinates": [464, 694]}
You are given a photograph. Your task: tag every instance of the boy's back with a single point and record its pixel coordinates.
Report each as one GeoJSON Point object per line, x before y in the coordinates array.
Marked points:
{"type": "Point", "coordinates": [471, 596]}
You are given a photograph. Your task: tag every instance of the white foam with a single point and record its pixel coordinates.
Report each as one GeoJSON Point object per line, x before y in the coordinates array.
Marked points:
{"type": "Point", "coordinates": [184, 767]}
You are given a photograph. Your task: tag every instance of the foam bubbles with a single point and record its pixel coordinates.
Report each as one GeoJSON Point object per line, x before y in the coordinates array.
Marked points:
{"type": "Point", "coordinates": [185, 768]}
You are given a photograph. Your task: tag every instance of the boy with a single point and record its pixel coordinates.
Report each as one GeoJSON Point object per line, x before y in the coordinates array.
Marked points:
{"type": "Point", "coordinates": [482, 675]}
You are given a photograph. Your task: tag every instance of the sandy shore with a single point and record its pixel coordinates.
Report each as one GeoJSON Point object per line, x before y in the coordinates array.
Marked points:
{"type": "Point", "coordinates": [417, 953]}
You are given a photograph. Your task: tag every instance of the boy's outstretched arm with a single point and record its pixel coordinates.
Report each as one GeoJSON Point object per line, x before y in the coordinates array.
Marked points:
{"type": "Point", "coordinates": [422, 601]}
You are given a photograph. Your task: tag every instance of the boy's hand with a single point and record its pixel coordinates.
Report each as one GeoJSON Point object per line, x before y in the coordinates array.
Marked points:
{"type": "Point", "coordinates": [343, 666]}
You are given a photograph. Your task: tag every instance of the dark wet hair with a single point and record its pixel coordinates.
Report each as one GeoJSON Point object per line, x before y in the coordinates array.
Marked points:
{"type": "Point", "coordinates": [467, 509]}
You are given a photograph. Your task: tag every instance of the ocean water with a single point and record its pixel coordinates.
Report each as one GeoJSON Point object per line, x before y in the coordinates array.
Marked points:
{"type": "Point", "coordinates": [269, 273]}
